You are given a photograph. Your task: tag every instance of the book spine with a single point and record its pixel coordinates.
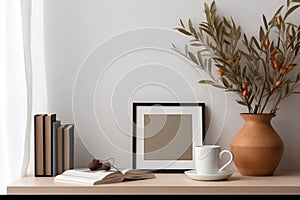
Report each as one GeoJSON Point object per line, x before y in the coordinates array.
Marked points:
{"type": "Point", "coordinates": [60, 149]}
{"type": "Point", "coordinates": [48, 125]}
{"type": "Point", "coordinates": [55, 126]}
{"type": "Point", "coordinates": [39, 145]}
{"type": "Point", "coordinates": [71, 132]}
{"type": "Point", "coordinates": [69, 147]}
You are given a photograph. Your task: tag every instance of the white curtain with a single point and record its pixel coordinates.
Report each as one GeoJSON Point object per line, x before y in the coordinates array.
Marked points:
{"type": "Point", "coordinates": [20, 55]}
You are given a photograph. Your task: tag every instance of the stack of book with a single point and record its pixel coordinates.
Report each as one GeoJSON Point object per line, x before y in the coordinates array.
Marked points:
{"type": "Point", "coordinates": [53, 145]}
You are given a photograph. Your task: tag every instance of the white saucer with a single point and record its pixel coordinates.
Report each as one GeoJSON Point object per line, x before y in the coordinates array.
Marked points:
{"type": "Point", "coordinates": [208, 177]}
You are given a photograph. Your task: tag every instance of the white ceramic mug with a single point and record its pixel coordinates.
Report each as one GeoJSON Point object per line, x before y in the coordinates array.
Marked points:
{"type": "Point", "coordinates": [208, 157]}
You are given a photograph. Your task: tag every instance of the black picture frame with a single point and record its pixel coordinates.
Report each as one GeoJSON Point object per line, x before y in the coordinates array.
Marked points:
{"type": "Point", "coordinates": [164, 135]}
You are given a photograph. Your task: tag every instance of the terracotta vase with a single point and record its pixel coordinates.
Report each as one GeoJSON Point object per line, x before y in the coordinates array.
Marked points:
{"type": "Point", "coordinates": [257, 148]}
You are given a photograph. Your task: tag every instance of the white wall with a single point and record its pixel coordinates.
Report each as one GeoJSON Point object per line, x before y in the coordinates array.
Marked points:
{"type": "Point", "coordinates": [101, 55]}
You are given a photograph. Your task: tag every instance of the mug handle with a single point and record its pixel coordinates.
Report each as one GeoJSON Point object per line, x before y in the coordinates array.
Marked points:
{"type": "Point", "coordinates": [229, 161]}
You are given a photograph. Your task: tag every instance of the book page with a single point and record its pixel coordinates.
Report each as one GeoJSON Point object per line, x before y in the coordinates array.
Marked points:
{"type": "Point", "coordinates": [86, 176]}
{"type": "Point", "coordinates": [87, 173]}
{"type": "Point", "coordinates": [75, 179]}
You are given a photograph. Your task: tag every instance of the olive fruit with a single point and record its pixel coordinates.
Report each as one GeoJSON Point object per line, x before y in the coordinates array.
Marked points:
{"type": "Point", "coordinates": [94, 165]}
{"type": "Point", "coordinates": [106, 166]}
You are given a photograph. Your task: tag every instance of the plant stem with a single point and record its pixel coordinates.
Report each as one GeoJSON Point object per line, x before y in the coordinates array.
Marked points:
{"type": "Point", "coordinates": [266, 102]}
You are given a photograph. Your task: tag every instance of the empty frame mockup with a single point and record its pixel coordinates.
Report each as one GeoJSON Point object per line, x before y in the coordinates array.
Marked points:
{"type": "Point", "coordinates": [165, 134]}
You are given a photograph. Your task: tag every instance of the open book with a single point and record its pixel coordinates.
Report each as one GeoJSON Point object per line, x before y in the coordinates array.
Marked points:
{"type": "Point", "coordinates": [87, 176]}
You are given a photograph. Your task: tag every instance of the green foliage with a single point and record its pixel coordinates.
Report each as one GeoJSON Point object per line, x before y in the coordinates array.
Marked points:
{"type": "Point", "coordinates": [260, 70]}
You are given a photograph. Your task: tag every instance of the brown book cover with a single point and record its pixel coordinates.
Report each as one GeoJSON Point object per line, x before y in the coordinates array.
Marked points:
{"type": "Point", "coordinates": [69, 146]}
{"type": "Point", "coordinates": [60, 149]}
{"type": "Point", "coordinates": [39, 145]}
{"type": "Point", "coordinates": [48, 152]}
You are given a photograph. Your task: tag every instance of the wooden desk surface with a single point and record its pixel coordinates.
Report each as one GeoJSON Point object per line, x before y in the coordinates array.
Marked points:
{"type": "Point", "coordinates": [164, 183]}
